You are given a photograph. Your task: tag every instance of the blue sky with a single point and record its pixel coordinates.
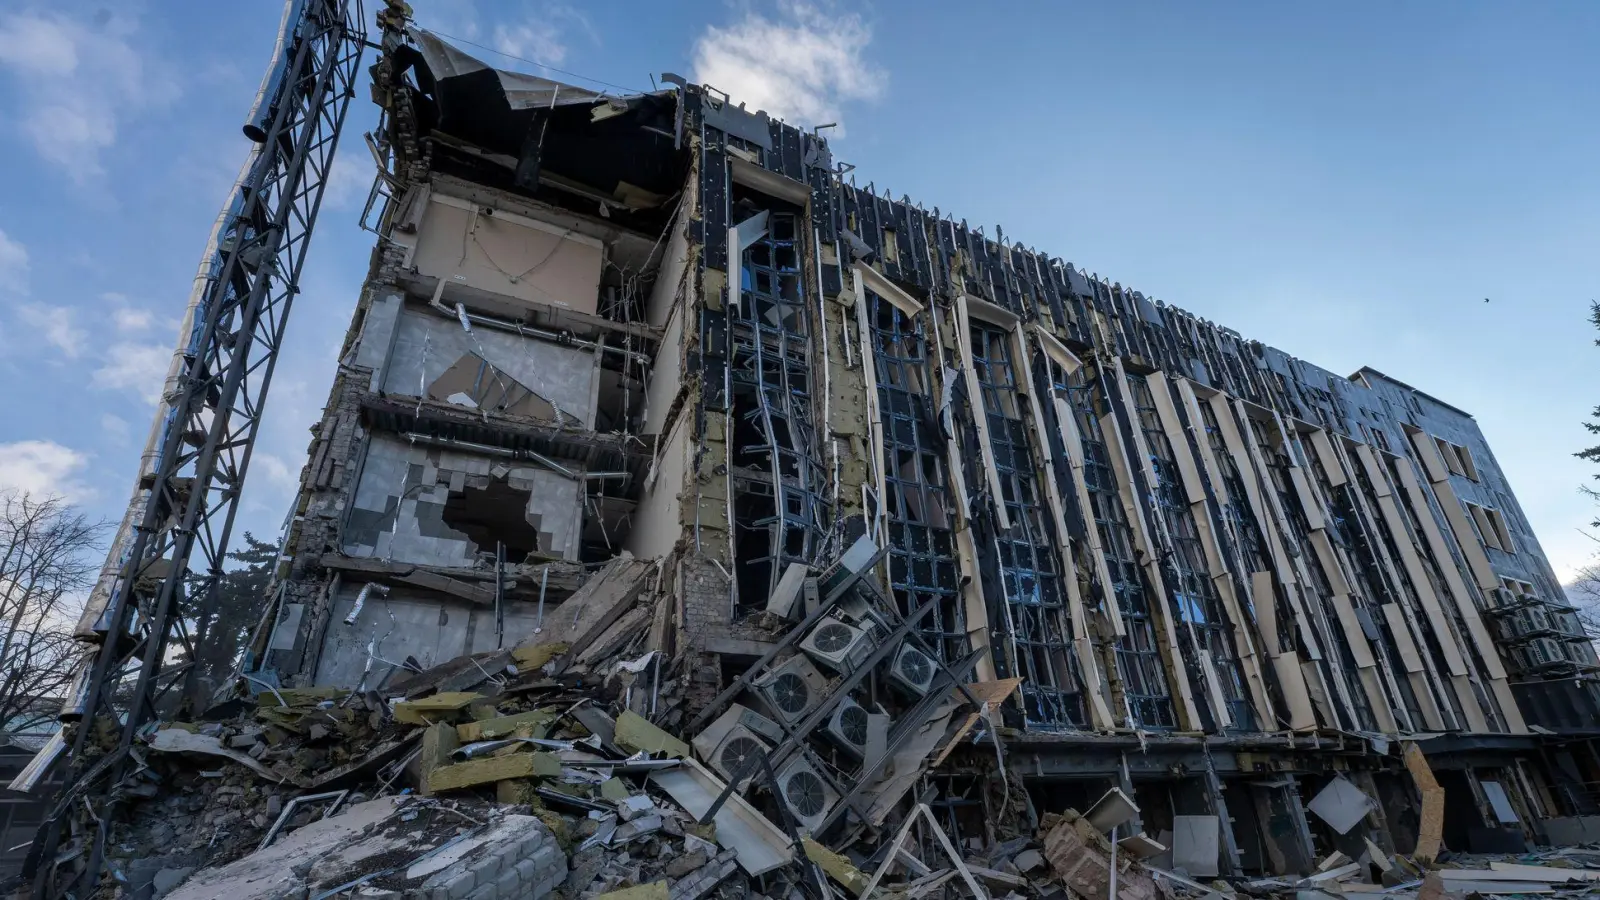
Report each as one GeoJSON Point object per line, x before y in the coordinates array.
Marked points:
{"type": "Point", "coordinates": [1347, 183]}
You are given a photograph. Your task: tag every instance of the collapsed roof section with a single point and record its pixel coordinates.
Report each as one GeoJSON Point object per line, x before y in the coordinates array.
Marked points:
{"type": "Point", "coordinates": [546, 139]}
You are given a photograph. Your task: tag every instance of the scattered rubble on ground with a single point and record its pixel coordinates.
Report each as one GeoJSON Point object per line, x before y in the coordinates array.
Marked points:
{"type": "Point", "coordinates": [549, 770]}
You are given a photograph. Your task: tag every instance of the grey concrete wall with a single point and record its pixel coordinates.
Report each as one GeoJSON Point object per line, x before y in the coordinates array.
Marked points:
{"type": "Point", "coordinates": [427, 343]}
{"type": "Point", "coordinates": [398, 512]}
{"type": "Point", "coordinates": [377, 335]}
{"type": "Point", "coordinates": [398, 502]}
{"type": "Point", "coordinates": [408, 624]}
{"type": "Point", "coordinates": [555, 502]}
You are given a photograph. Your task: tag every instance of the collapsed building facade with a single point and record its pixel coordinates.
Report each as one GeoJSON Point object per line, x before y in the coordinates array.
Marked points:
{"type": "Point", "coordinates": [1171, 560]}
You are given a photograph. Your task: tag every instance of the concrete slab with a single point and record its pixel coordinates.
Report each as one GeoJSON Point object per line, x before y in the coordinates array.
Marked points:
{"type": "Point", "coordinates": [1196, 842]}
{"type": "Point", "coordinates": [1341, 804]}
{"type": "Point", "coordinates": [282, 868]}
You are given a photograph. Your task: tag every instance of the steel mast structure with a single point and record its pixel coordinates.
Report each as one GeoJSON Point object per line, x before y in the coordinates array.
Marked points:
{"type": "Point", "coordinates": [169, 555]}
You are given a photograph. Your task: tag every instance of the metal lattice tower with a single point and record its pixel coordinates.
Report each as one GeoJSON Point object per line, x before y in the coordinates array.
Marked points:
{"type": "Point", "coordinates": [171, 561]}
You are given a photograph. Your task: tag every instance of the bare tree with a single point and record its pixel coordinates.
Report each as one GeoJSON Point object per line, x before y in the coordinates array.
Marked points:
{"type": "Point", "coordinates": [47, 564]}
{"type": "Point", "coordinates": [1584, 594]}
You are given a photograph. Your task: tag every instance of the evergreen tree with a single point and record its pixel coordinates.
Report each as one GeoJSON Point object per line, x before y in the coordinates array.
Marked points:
{"type": "Point", "coordinates": [221, 632]}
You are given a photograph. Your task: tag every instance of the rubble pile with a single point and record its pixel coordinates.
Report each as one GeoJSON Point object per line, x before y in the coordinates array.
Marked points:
{"type": "Point", "coordinates": [574, 765]}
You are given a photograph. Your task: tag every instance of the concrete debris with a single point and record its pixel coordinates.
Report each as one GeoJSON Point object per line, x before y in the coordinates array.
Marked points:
{"type": "Point", "coordinates": [1341, 804]}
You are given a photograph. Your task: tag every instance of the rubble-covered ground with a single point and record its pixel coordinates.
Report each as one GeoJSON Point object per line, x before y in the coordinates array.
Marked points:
{"type": "Point", "coordinates": [575, 771]}
{"type": "Point", "coordinates": [522, 785]}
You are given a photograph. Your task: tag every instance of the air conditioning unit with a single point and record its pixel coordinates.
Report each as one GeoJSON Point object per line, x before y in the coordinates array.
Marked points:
{"type": "Point", "coordinates": [912, 670]}
{"type": "Point", "coordinates": [792, 688]}
{"type": "Point", "coordinates": [837, 645]}
{"type": "Point", "coordinates": [1542, 652]}
{"type": "Point", "coordinates": [737, 748]}
{"type": "Point", "coordinates": [808, 796]}
{"type": "Point", "coordinates": [760, 724]}
{"type": "Point", "coordinates": [1579, 652]}
{"type": "Point", "coordinates": [1567, 624]}
{"type": "Point", "coordinates": [847, 727]}
{"type": "Point", "coordinates": [710, 738]}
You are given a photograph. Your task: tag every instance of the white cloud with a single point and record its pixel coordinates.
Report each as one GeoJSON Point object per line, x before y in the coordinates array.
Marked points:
{"type": "Point", "coordinates": [349, 180]}
{"type": "Point", "coordinates": [129, 318]}
{"type": "Point", "coordinates": [57, 325]}
{"type": "Point", "coordinates": [802, 65]}
{"type": "Point", "coordinates": [141, 368]}
{"type": "Point", "coordinates": [13, 266]}
{"type": "Point", "coordinates": [538, 40]}
{"type": "Point", "coordinates": [115, 428]}
{"type": "Point", "coordinates": [277, 471]}
{"type": "Point", "coordinates": [43, 468]}
{"type": "Point", "coordinates": [75, 80]}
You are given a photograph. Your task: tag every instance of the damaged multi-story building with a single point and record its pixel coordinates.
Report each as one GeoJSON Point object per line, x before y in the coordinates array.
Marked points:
{"type": "Point", "coordinates": [663, 327]}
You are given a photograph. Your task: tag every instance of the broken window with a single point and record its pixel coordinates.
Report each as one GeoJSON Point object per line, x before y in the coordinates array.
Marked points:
{"type": "Point", "coordinates": [1194, 596]}
{"type": "Point", "coordinates": [1457, 459]}
{"type": "Point", "coordinates": [475, 383]}
{"type": "Point", "coordinates": [1139, 666]}
{"type": "Point", "coordinates": [922, 566]}
{"type": "Point", "coordinates": [1491, 526]}
{"type": "Point", "coordinates": [1040, 634]}
{"type": "Point", "coordinates": [777, 475]}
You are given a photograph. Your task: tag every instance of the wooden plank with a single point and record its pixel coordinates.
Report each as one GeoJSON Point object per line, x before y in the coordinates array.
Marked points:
{"type": "Point", "coordinates": [438, 742]}
{"type": "Point", "coordinates": [1430, 830]}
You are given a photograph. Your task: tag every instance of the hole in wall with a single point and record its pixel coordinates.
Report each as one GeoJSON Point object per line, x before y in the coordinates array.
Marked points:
{"type": "Point", "coordinates": [497, 512]}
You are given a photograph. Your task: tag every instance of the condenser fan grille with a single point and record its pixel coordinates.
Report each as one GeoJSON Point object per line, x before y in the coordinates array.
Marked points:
{"type": "Point", "coordinates": [915, 668]}
{"type": "Point", "coordinates": [736, 752]}
{"type": "Point", "coordinates": [853, 724]}
{"type": "Point", "coordinates": [832, 637]}
{"type": "Point", "coordinates": [790, 693]}
{"type": "Point", "coordinates": [805, 793]}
